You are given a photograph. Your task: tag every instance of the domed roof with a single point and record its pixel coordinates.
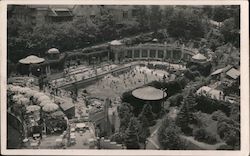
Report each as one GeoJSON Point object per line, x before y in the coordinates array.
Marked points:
{"type": "Point", "coordinates": [53, 51]}
{"type": "Point", "coordinates": [32, 59]}
{"type": "Point", "coordinates": [199, 57]}
{"type": "Point", "coordinates": [155, 40]}
{"type": "Point", "coordinates": [116, 42]}
{"type": "Point", "coordinates": [149, 93]}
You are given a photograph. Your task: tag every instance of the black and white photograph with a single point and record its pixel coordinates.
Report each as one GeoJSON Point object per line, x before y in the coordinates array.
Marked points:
{"type": "Point", "coordinates": [156, 77]}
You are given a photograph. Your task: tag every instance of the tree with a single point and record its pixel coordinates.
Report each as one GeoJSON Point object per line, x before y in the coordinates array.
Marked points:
{"type": "Point", "coordinates": [106, 24]}
{"type": "Point", "coordinates": [155, 17]}
{"type": "Point", "coordinates": [229, 131]}
{"type": "Point", "coordinates": [184, 118]}
{"type": "Point", "coordinates": [147, 116]}
{"type": "Point", "coordinates": [233, 139]}
{"type": "Point", "coordinates": [131, 135]}
{"type": "Point", "coordinates": [118, 137]}
{"type": "Point", "coordinates": [169, 136]}
{"type": "Point", "coordinates": [176, 100]}
{"type": "Point", "coordinates": [219, 115]}
{"type": "Point", "coordinates": [231, 31]}
{"type": "Point", "coordinates": [220, 13]}
{"type": "Point", "coordinates": [185, 24]}
{"type": "Point", "coordinates": [166, 15]}
{"type": "Point", "coordinates": [203, 135]}
{"type": "Point", "coordinates": [142, 17]}
{"type": "Point", "coordinates": [208, 11]}
{"type": "Point", "coordinates": [124, 113]}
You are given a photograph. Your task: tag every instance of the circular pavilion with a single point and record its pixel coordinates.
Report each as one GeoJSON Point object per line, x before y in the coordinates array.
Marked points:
{"type": "Point", "coordinates": [28, 65]}
{"type": "Point", "coordinates": [53, 53]}
{"type": "Point", "coordinates": [150, 95]}
{"type": "Point", "coordinates": [116, 48]}
{"type": "Point", "coordinates": [199, 58]}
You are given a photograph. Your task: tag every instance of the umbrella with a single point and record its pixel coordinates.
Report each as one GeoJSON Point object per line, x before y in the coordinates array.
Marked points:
{"type": "Point", "coordinates": [32, 59]}
{"type": "Point", "coordinates": [38, 94]}
{"type": "Point", "coordinates": [31, 92]}
{"type": "Point", "coordinates": [25, 90]}
{"type": "Point", "coordinates": [50, 107]}
{"type": "Point", "coordinates": [32, 108]}
{"type": "Point", "coordinates": [15, 88]}
{"type": "Point", "coordinates": [57, 114]}
{"type": "Point", "coordinates": [43, 98]}
{"type": "Point", "coordinates": [45, 102]}
{"type": "Point", "coordinates": [23, 100]}
{"type": "Point", "coordinates": [17, 97]}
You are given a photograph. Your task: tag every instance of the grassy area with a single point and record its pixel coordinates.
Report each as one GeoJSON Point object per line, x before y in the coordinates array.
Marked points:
{"type": "Point", "coordinates": [208, 124]}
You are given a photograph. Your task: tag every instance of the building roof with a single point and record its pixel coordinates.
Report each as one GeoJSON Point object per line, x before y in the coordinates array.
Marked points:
{"type": "Point", "coordinates": [53, 51]}
{"type": "Point", "coordinates": [60, 12]}
{"type": "Point", "coordinates": [32, 59]}
{"type": "Point", "coordinates": [214, 93]}
{"type": "Point", "coordinates": [116, 42]}
{"type": "Point", "coordinates": [66, 106]}
{"type": "Point", "coordinates": [203, 88]}
{"type": "Point", "coordinates": [199, 56]}
{"type": "Point", "coordinates": [218, 71]}
{"type": "Point", "coordinates": [233, 73]}
{"type": "Point", "coordinates": [149, 93]}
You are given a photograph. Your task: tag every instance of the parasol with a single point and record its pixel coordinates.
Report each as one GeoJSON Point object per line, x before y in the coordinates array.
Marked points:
{"type": "Point", "coordinates": [50, 107]}
{"type": "Point", "coordinates": [17, 97]}
{"type": "Point", "coordinates": [25, 90]}
{"type": "Point", "coordinates": [23, 101]}
{"type": "Point", "coordinates": [58, 114]}
{"type": "Point", "coordinates": [15, 88]}
{"type": "Point", "coordinates": [43, 98]}
{"type": "Point", "coordinates": [38, 94]}
{"type": "Point", "coordinates": [32, 108]}
{"type": "Point", "coordinates": [45, 102]}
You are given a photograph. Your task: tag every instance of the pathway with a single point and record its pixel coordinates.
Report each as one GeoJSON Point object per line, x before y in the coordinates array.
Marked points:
{"type": "Point", "coordinates": [153, 142]}
{"type": "Point", "coordinates": [202, 145]}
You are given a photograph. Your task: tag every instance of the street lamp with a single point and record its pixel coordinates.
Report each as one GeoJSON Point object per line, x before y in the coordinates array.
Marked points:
{"type": "Point", "coordinates": [163, 95]}
{"type": "Point", "coordinates": [163, 89]}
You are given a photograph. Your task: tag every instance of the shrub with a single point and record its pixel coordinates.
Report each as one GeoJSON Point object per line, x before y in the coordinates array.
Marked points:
{"type": "Point", "coordinates": [175, 100]}
{"type": "Point", "coordinates": [168, 136]}
{"type": "Point", "coordinates": [218, 115]}
{"type": "Point", "coordinates": [229, 131]}
{"type": "Point", "coordinates": [202, 135]}
{"type": "Point", "coordinates": [208, 105]}
{"type": "Point", "coordinates": [225, 147]}
{"type": "Point", "coordinates": [117, 137]}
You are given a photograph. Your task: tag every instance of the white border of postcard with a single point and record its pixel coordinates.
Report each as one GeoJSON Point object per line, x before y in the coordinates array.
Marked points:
{"type": "Point", "coordinates": [244, 78]}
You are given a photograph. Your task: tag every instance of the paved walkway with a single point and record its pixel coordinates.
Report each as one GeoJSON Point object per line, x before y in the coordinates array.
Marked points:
{"type": "Point", "coordinates": [153, 142]}
{"type": "Point", "coordinates": [202, 145]}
